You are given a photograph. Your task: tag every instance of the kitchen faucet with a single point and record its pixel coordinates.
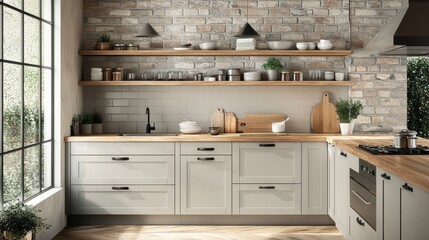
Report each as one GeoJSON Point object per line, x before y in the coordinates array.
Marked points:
{"type": "Point", "coordinates": [149, 128]}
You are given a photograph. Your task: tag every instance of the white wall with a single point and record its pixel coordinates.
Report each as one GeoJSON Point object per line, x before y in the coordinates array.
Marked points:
{"type": "Point", "coordinates": [68, 101]}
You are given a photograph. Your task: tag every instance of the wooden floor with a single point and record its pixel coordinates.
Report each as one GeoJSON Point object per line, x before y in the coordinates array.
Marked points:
{"type": "Point", "coordinates": [139, 232]}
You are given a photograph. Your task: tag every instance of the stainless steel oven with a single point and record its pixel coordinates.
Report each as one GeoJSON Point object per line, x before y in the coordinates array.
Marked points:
{"type": "Point", "coordinates": [363, 192]}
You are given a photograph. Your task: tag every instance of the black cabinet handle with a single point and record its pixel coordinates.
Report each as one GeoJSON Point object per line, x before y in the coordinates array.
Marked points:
{"type": "Point", "coordinates": [360, 222]}
{"type": "Point", "coordinates": [267, 187]}
{"type": "Point", "coordinates": [343, 154]}
{"type": "Point", "coordinates": [120, 158]}
{"type": "Point", "coordinates": [206, 159]}
{"type": "Point", "coordinates": [267, 145]}
{"type": "Point", "coordinates": [407, 187]}
{"type": "Point", "coordinates": [206, 149]}
{"type": "Point", "coordinates": [385, 176]}
{"type": "Point", "coordinates": [120, 188]}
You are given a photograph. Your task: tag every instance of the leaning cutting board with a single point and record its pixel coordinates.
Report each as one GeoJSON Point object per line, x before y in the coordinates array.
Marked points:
{"type": "Point", "coordinates": [230, 123]}
{"type": "Point", "coordinates": [218, 119]}
{"type": "Point", "coordinates": [324, 118]}
{"type": "Point", "coordinates": [258, 123]}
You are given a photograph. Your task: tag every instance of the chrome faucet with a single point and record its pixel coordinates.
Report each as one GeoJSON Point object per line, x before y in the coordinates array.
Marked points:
{"type": "Point", "coordinates": [149, 128]}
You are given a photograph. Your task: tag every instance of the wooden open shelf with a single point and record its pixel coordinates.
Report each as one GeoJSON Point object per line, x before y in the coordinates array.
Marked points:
{"type": "Point", "coordinates": [169, 52]}
{"type": "Point", "coordinates": [215, 83]}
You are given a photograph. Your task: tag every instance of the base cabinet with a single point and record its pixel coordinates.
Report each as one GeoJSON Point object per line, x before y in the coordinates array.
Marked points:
{"type": "Point", "coordinates": [341, 186]}
{"type": "Point", "coordinates": [331, 181]}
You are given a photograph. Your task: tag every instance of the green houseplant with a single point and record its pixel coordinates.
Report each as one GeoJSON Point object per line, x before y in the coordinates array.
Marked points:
{"type": "Point", "coordinates": [19, 221]}
{"type": "Point", "coordinates": [273, 66]}
{"type": "Point", "coordinates": [104, 42]}
{"type": "Point", "coordinates": [97, 126]}
{"type": "Point", "coordinates": [86, 123]}
{"type": "Point", "coordinates": [76, 121]}
{"type": "Point", "coordinates": [347, 110]}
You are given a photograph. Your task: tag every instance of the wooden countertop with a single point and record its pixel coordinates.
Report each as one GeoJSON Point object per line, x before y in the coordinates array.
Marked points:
{"type": "Point", "coordinates": [226, 137]}
{"type": "Point", "coordinates": [410, 168]}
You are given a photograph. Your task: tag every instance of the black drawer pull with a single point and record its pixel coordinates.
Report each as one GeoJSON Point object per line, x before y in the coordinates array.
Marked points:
{"type": "Point", "coordinates": [267, 145]}
{"type": "Point", "coordinates": [206, 159]}
{"type": "Point", "coordinates": [206, 149]}
{"type": "Point", "coordinates": [360, 222]}
{"type": "Point", "coordinates": [407, 187]}
{"type": "Point", "coordinates": [343, 154]}
{"type": "Point", "coordinates": [120, 188]}
{"type": "Point", "coordinates": [385, 176]}
{"type": "Point", "coordinates": [120, 158]}
{"type": "Point", "coordinates": [267, 187]}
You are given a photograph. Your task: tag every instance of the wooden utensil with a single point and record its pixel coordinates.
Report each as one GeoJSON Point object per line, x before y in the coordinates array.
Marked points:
{"type": "Point", "coordinates": [218, 119]}
{"type": "Point", "coordinates": [324, 118]}
{"type": "Point", "coordinates": [258, 123]}
{"type": "Point", "coordinates": [230, 123]}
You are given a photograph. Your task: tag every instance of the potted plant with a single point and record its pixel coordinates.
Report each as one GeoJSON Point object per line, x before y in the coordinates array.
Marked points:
{"type": "Point", "coordinates": [347, 111]}
{"type": "Point", "coordinates": [273, 66]}
{"type": "Point", "coordinates": [97, 119]}
{"type": "Point", "coordinates": [19, 221]}
{"type": "Point", "coordinates": [104, 42]}
{"type": "Point", "coordinates": [76, 121]}
{"type": "Point", "coordinates": [86, 123]}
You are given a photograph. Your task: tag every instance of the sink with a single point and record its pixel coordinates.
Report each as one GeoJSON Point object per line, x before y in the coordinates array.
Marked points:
{"type": "Point", "coordinates": [147, 134]}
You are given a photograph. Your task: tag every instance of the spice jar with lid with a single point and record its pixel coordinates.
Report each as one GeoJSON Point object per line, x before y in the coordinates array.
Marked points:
{"type": "Point", "coordinates": [121, 70]}
{"type": "Point", "coordinates": [107, 74]}
{"type": "Point", "coordinates": [285, 76]}
{"type": "Point", "coordinates": [116, 76]}
{"type": "Point", "coordinates": [119, 46]}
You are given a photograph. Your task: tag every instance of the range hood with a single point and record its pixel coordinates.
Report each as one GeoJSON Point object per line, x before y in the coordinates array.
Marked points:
{"type": "Point", "coordinates": [412, 35]}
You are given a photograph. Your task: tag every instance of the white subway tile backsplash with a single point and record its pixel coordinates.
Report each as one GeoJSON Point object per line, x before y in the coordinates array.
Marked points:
{"type": "Point", "coordinates": [119, 118]}
{"type": "Point", "coordinates": [112, 110]}
{"type": "Point", "coordinates": [120, 102]}
{"type": "Point", "coordinates": [114, 94]}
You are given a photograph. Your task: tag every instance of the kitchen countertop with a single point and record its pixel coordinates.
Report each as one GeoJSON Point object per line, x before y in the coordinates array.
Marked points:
{"type": "Point", "coordinates": [413, 169]}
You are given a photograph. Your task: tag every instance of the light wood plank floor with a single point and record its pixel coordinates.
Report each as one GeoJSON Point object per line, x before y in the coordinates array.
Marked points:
{"type": "Point", "coordinates": [139, 232]}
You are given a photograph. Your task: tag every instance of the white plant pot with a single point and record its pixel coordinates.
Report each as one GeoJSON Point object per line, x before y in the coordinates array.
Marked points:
{"type": "Point", "coordinates": [272, 75]}
{"type": "Point", "coordinates": [344, 128]}
{"type": "Point", "coordinates": [351, 127]}
{"type": "Point", "coordinates": [86, 129]}
{"type": "Point", "coordinates": [97, 128]}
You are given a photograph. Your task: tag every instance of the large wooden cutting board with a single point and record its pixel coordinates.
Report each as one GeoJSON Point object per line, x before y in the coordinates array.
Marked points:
{"type": "Point", "coordinates": [324, 118]}
{"type": "Point", "coordinates": [218, 119]}
{"type": "Point", "coordinates": [230, 123]}
{"type": "Point", "coordinates": [258, 123]}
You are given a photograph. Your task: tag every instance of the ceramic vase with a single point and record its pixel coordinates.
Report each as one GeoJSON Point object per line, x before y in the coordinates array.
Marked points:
{"type": "Point", "coordinates": [86, 129]}
{"type": "Point", "coordinates": [97, 128]}
{"type": "Point", "coordinates": [272, 75]}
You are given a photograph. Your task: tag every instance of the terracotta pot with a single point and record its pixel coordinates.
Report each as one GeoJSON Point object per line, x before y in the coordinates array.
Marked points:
{"type": "Point", "coordinates": [103, 46]}
{"type": "Point", "coordinates": [97, 128]}
{"type": "Point", "coordinates": [86, 129]}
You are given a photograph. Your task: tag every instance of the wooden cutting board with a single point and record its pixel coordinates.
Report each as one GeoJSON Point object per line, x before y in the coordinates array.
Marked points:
{"type": "Point", "coordinates": [258, 123]}
{"type": "Point", "coordinates": [324, 118]}
{"type": "Point", "coordinates": [218, 119]}
{"type": "Point", "coordinates": [230, 123]}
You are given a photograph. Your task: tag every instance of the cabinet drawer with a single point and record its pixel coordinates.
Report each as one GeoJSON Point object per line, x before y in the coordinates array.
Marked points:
{"type": "Point", "coordinates": [127, 199]}
{"type": "Point", "coordinates": [352, 160]}
{"type": "Point", "coordinates": [359, 228]}
{"type": "Point", "coordinates": [268, 163]}
{"type": "Point", "coordinates": [266, 198]}
{"type": "Point", "coordinates": [120, 148]}
{"type": "Point", "coordinates": [206, 148]}
{"type": "Point", "coordinates": [122, 169]}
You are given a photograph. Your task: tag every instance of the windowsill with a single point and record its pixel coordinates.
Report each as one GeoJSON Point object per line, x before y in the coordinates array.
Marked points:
{"type": "Point", "coordinates": [42, 197]}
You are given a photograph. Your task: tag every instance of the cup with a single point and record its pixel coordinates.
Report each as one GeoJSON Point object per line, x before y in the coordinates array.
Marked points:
{"type": "Point", "coordinates": [278, 127]}
{"type": "Point", "coordinates": [311, 45]}
{"type": "Point", "coordinates": [329, 75]}
{"type": "Point", "coordinates": [339, 76]}
{"type": "Point", "coordinates": [302, 45]}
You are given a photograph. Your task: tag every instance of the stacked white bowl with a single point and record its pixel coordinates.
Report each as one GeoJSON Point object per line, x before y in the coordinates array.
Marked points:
{"type": "Point", "coordinates": [324, 44]}
{"type": "Point", "coordinates": [96, 74]}
{"type": "Point", "coordinates": [252, 76]}
{"type": "Point", "coordinates": [190, 127]}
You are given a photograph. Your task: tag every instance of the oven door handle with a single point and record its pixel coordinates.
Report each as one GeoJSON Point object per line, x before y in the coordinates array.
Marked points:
{"type": "Point", "coordinates": [361, 198]}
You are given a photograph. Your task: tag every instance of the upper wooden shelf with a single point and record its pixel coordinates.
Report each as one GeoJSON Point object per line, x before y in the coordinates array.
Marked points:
{"type": "Point", "coordinates": [215, 83]}
{"type": "Point", "coordinates": [170, 52]}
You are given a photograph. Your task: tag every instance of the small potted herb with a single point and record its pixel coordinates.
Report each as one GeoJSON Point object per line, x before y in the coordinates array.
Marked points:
{"type": "Point", "coordinates": [273, 66]}
{"type": "Point", "coordinates": [19, 221]}
{"type": "Point", "coordinates": [97, 119]}
{"type": "Point", "coordinates": [347, 111]}
{"type": "Point", "coordinates": [86, 123]}
{"type": "Point", "coordinates": [104, 42]}
{"type": "Point", "coordinates": [76, 121]}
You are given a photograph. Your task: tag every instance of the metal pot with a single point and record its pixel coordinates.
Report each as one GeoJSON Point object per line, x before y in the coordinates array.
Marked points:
{"type": "Point", "coordinates": [234, 71]}
{"type": "Point", "coordinates": [405, 139]}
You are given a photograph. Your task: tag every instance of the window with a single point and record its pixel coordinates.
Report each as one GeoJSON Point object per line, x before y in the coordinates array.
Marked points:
{"type": "Point", "coordinates": [26, 101]}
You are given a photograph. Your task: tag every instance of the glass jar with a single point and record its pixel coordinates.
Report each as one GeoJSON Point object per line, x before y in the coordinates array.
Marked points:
{"type": "Point", "coordinates": [107, 74]}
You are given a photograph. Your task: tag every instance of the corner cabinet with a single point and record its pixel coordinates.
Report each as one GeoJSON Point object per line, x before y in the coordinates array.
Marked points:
{"type": "Point", "coordinates": [170, 52]}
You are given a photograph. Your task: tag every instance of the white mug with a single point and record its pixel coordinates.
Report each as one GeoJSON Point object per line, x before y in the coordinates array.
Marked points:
{"type": "Point", "coordinates": [339, 76]}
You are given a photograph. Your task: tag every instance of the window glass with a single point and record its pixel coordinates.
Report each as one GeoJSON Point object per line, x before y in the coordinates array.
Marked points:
{"type": "Point", "coordinates": [47, 10]}
{"type": "Point", "coordinates": [46, 165]}
{"type": "Point", "coordinates": [31, 171]}
{"type": "Point", "coordinates": [46, 45]}
{"type": "Point", "coordinates": [12, 106]}
{"type": "Point", "coordinates": [32, 7]}
{"type": "Point", "coordinates": [12, 176]}
{"type": "Point", "coordinates": [31, 40]}
{"type": "Point", "coordinates": [46, 103]}
{"type": "Point", "coordinates": [14, 3]}
{"type": "Point", "coordinates": [31, 105]}
{"type": "Point", "coordinates": [12, 35]}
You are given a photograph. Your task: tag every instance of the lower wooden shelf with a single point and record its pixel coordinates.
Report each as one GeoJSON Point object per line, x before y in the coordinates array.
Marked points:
{"type": "Point", "coordinates": [215, 83]}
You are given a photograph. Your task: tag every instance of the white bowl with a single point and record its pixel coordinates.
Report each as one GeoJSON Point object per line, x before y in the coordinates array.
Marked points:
{"type": "Point", "coordinates": [311, 45]}
{"type": "Point", "coordinates": [278, 128]}
{"type": "Point", "coordinates": [302, 45]}
{"type": "Point", "coordinates": [280, 45]}
{"type": "Point", "coordinates": [252, 76]}
{"type": "Point", "coordinates": [324, 46]}
{"type": "Point", "coordinates": [208, 45]}
{"type": "Point", "coordinates": [190, 131]}
{"type": "Point", "coordinates": [324, 41]}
